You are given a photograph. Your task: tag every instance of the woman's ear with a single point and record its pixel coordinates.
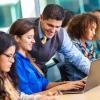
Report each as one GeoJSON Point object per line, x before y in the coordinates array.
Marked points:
{"type": "Point", "coordinates": [16, 38]}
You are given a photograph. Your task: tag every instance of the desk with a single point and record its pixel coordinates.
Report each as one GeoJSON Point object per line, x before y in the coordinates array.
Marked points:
{"type": "Point", "coordinates": [93, 94]}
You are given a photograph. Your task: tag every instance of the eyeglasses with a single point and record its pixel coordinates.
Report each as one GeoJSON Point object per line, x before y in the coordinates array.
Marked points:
{"type": "Point", "coordinates": [10, 57]}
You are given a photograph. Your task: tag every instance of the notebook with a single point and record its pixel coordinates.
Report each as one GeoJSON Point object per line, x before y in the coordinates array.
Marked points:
{"type": "Point", "coordinates": [92, 80]}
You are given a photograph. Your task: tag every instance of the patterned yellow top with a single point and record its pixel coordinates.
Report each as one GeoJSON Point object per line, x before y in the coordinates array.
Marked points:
{"type": "Point", "coordinates": [14, 94]}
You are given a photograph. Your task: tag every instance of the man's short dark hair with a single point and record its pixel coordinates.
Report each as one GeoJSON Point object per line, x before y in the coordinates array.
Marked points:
{"type": "Point", "coordinates": [53, 11]}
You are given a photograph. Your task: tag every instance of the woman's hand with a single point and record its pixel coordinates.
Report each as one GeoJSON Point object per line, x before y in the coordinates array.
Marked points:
{"type": "Point", "coordinates": [67, 85]}
{"type": "Point", "coordinates": [72, 85]}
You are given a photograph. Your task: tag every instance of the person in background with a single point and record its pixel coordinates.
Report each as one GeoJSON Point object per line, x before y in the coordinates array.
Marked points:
{"type": "Point", "coordinates": [8, 75]}
{"type": "Point", "coordinates": [48, 28]}
{"type": "Point", "coordinates": [59, 57]}
{"type": "Point", "coordinates": [87, 28]}
{"type": "Point", "coordinates": [30, 78]}
{"type": "Point", "coordinates": [68, 14]}
{"type": "Point", "coordinates": [81, 29]}
{"type": "Point", "coordinates": [97, 38]}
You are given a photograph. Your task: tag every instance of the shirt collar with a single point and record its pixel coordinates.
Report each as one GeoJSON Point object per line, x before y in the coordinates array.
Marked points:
{"type": "Point", "coordinates": [21, 56]}
{"type": "Point", "coordinates": [41, 34]}
{"type": "Point", "coordinates": [88, 43]}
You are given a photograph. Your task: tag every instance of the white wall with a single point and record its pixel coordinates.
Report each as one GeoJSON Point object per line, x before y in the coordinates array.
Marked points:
{"type": "Point", "coordinates": [43, 3]}
{"type": "Point", "coordinates": [28, 8]}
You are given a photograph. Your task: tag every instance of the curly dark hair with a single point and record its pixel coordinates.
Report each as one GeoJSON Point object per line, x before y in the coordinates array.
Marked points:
{"type": "Point", "coordinates": [80, 23]}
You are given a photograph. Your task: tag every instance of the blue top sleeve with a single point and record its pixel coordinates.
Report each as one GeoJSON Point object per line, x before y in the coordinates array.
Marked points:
{"type": "Point", "coordinates": [30, 79]}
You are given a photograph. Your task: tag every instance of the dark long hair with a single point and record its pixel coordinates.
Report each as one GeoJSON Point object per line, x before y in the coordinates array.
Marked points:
{"type": "Point", "coordinates": [5, 42]}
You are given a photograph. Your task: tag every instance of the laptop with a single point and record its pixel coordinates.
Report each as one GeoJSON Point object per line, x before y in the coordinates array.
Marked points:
{"type": "Point", "coordinates": [92, 80]}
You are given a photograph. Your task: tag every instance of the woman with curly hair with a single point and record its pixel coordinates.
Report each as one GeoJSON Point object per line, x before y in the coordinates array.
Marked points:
{"type": "Point", "coordinates": [82, 29]}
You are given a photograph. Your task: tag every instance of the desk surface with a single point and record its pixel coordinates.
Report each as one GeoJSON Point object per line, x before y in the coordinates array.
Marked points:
{"type": "Point", "coordinates": [93, 94]}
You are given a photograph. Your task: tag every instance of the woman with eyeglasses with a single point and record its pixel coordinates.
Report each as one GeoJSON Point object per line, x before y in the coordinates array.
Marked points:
{"type": "Point", "coordinates": [30, 78]}
{"type": "Point", "coordinates": [7, 52]}
{"type": "Point", "coordinates": [8, 76]}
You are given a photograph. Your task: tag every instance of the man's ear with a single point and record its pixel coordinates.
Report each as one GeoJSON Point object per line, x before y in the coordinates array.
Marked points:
{"type": "Point", "coordinates": [41, 17]}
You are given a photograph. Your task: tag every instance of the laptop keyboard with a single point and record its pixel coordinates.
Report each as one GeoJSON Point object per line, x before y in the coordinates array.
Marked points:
{"type": "Point", "coordinates": [72, 91]}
